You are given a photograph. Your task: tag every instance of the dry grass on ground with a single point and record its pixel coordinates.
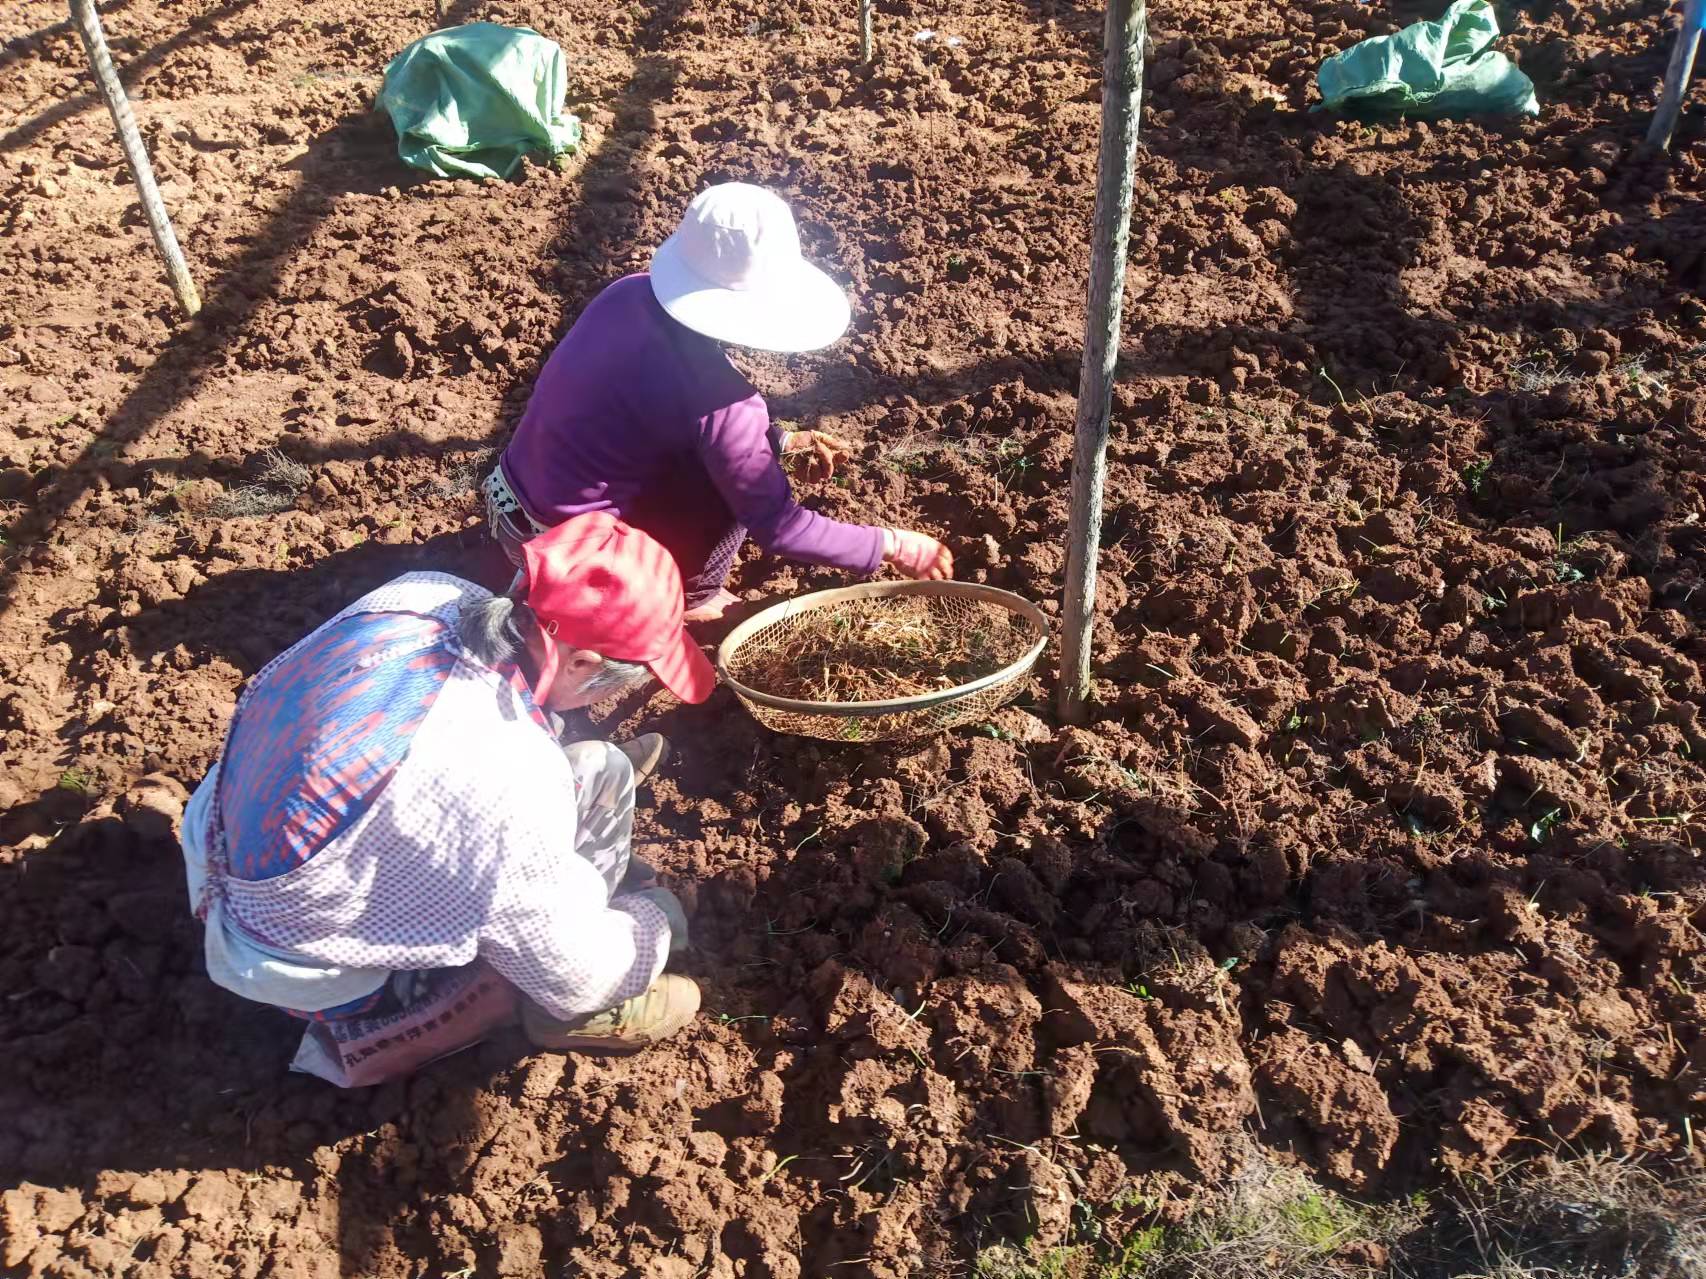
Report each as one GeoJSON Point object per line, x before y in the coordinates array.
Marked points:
{"type": "Point", "coordinates": [1590, 1218]}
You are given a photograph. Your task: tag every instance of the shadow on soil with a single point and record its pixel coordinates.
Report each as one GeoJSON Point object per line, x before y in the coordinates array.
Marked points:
{"type": "Point", "coordinates": [357, 155]}
{"type": "Point", "coordinates": [204, 29]}
{"type": "Point", "coordinates": [115, 1003]}
{"type": "Point", "coordinates": [112, 999]}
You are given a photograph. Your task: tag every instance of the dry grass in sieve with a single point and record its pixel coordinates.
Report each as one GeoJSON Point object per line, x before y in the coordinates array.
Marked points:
{"type": "Point", "coordinates": [875, 650]}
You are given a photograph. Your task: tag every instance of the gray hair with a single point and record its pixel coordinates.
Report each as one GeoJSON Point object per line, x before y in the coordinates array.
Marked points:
{"type": "Point", "coordinates": [615, 677]}
{"type": "Point", "coordinates": [493, 632]}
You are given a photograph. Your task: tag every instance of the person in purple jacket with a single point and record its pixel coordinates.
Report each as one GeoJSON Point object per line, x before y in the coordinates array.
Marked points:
{"type": "Point", "coordinates": [639, 412]}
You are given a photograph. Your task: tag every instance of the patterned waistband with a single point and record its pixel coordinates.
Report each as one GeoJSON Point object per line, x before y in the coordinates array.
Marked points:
{"type": "Point", "coordinates": [501, 499]}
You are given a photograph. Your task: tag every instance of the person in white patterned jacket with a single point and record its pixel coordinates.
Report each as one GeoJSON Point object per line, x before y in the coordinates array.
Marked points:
{"type": "Point", "coordinates": [395, 847]}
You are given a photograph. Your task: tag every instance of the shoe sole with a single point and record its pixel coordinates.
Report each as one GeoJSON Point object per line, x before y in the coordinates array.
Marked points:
{"type": "Point", "coordinates": [550, 1040]}
{"type": "Point", "coordinates": [602, 1045]}
{"type": "Point", "coordinates": [592, 1046]}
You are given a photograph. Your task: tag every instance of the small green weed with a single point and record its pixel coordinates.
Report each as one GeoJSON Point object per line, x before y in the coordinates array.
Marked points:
{"type": "Point", "coordinates": [1317, 1221]}
{"type": "Point", "coordinates": [1542, 826]}
{"type": "Point", "coordinates": [77, 781]}
{"type": "Point", "coordinates": [1130, 1197]}
{"type": "Point", "coordinates": [1140, 1247]}
{"type": "Point", "coordinates": [1012, 463]}
{"type": "Point", "coordinates": [1563, 567]}
{"type": "Point", "coordinates": [1475, 475]}
{"type": "Point", "coordinates": [1632, 372]}
{"type": "Point", "coordinates": [1337, 389]}
{"type": "Point", "coordinates": [912, 464]}
{"type": "Point", "coordinates": [727, 1020]}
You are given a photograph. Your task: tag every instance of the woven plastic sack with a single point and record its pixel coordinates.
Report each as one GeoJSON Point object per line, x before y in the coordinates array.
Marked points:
{"type": "Point", "coordinates": [455, 1008]}
{"type": "Point", "coordinates": [1429, 69]}
{"type": "Point", "coordinates": [471, 101]}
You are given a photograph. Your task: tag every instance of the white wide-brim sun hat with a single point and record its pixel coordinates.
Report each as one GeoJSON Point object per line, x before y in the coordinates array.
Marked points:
{"type": "Point", "coordinates": [733, 272]}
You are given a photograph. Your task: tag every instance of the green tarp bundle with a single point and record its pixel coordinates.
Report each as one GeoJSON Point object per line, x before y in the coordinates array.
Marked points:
{"type": "Point", "coordinates": [1429, 69]}
{"type": "Point", "coordinates": [470, 101]}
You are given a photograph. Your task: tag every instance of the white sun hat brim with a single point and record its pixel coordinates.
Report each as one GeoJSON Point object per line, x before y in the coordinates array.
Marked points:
{"type": "Point", "coordinates": [796, 308]}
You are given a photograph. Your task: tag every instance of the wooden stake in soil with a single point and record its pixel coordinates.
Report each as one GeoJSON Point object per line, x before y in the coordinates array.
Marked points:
{"type": "Point", "coordinates": [865, 7]}
{"type": "Point", "coordinates": [1122, 93]}
{"type": "Point", "coordinates": [88, 24]}
{"type": "Point", "coordinates": [1677, 75]}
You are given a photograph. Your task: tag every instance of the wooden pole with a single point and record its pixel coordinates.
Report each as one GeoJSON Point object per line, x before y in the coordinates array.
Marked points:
{"type": "Point", "coordinates": [88, 25]}
{"type": "Point", "coordinates": [865, 50]}
{"type": "Point", "coordinates": [1122, 94]}
{"type": "Point", "coordinates": [1676, 75]}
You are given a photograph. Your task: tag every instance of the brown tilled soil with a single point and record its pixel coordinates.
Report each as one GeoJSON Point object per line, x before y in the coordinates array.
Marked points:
{"type": "Point", "coordinates": [1383, 845]}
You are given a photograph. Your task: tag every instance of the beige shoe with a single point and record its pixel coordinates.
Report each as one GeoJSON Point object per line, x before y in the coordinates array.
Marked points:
{"type": "Point", "coordinates": [647, 753]}
{"type": "Point", "coordinates": [712, 610]}
{"type": "Point", "coordinates": [667, 1006]}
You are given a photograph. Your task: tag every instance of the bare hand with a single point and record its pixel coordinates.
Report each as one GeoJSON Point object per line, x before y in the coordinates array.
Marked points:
{"type": "Point", "coordinates": [917, 555]}
{"type": "Point", "coordinates": [826, 453]}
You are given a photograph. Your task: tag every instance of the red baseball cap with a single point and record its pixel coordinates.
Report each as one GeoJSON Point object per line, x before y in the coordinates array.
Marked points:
{"type": "Point", "coordinates": [596, 583]}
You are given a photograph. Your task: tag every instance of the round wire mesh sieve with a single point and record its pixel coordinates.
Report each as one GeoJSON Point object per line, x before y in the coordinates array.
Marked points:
{"type": "Point", "coordinates": [1010, 633]}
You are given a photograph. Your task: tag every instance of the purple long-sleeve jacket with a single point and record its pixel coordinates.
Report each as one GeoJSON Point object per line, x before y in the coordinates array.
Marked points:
{"type": "Point", "coordinates": [633, 409]}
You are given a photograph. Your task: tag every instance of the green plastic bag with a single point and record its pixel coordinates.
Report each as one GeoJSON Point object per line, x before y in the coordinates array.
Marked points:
{"type": "Point", "coordinates": [471, 101]}
{"type": "Point", "coordinates": [1429, 69]}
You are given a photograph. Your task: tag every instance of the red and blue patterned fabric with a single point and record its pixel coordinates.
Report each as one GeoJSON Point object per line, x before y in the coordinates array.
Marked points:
{"type": "Point", "coordinates": [319, 737]}
{"type": "Point", "coordinates": [367, 1006]}
{"type": "Point", "coordinates": [322, 733]}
